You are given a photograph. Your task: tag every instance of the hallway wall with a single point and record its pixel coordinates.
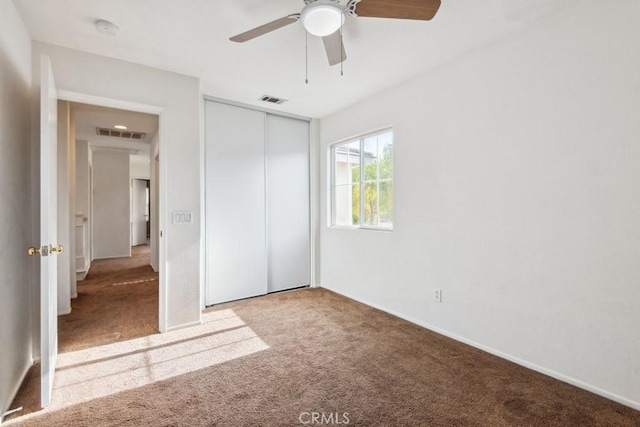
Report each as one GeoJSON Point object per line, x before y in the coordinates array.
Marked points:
{"type": "Point", "coordinates": [153, 199]}
{"type": "Point", "coordinates": [111, 205]}
{"type": "Point", "coordinates": [83, 183]}
{"type": "Point", "coordinates": [66, 208]}
{"type": "Point", "coordinates": [15, 216]}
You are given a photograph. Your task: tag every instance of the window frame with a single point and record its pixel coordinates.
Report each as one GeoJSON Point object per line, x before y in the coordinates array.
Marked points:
{"type": "Point", "coordinates": [362, 182]}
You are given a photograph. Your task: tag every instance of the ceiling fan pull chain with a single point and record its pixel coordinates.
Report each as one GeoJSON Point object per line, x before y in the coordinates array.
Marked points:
{"type": "Point", "coordinates": [341, 51]}
{"type": "Point", "coordinates": [306, 57]}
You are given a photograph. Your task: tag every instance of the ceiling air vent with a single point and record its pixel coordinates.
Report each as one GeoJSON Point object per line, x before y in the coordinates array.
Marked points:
{"type": "Point", "coordinates": [272, 99]}
{"type": "Point", "coordinates": [126, 134]}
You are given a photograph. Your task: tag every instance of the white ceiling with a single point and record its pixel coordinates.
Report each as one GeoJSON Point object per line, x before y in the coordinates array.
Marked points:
{"type": "Point", "coordinates": [88, 117]}
{"type": "Point", "coordinates": [191, 37]}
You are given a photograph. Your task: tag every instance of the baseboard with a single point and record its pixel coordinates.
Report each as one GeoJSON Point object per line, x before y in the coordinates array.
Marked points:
{"type": "Point", "coordinates": [557, 375]}
{"type": "Point", "coordinates": [81, 275]}
{"type": "Point", "coordinates": [14, 392]}
{"type": "Point", "coordinates": [128, 255]}
{"type": "Point", "coordinates": [184, 325]}
{"type": "Point", "coordinates": [64, 313]}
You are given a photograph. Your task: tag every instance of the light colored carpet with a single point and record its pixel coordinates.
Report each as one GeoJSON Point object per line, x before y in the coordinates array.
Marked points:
{"type": "Point", "coordinates": [117, 301]}
{"type": "Point", "coordinates": [95, 372]}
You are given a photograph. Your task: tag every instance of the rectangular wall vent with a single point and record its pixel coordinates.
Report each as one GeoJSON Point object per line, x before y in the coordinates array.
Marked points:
{"type": "Point", "coordinates": [272, 99]}
{"type": "Point", "coordinates": [126, 134]}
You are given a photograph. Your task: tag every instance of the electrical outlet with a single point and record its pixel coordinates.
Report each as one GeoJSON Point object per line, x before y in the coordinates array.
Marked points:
{"type": "Point", "coordinates": [438, 295]}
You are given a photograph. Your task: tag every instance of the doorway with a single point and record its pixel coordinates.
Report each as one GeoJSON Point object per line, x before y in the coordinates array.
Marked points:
{"type": "Point", "coordinates": [140, 212]}
{"type": "Point", "coordinates": [116, 289]}
{"type": "Point", "coordinates": [152, 177]}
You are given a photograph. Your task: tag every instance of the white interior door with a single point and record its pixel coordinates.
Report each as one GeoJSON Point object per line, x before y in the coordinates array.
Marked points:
{"type": "Point", "coordinates": [138, 212]}
{"type": "Point", "coordinates": [48, 229]}
{"type": "Point", "coordinates": [287, 154]}
{"type": "Point", "coordinates": [235, 203]}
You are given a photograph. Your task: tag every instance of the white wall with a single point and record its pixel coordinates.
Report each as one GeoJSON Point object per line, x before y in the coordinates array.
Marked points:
{"type": "Point", "coordinates": [111, 205]}
{"type": "Point", "coordinates": [316, 195]}
{"type": "Point", "coordinates": [517, 182]}
{"type": "Point", "coordinates": [154, 210]}
{"type": "Point", "coordinates": [15, 217]}
{"type": "Point", "coordinates": [179, 95]}
{"type": "Point", "coordinates": [71, 179]}
{"type": "Point", "coordinates": [82, 177]}
{"type": "Point", "coordinates": [66, 231]}
{"type": "Point", "coordinates": [140, 167]}
{"type": "Point", "coordinates": [82, 199]}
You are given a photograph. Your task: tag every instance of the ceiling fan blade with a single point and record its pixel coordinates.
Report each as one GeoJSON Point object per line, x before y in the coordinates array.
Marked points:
{"type": "Point", "coordinates": [334, 48]}
{"type": "Point", "coordinates": [422, 10]}
{"type": "Point", "coordinates": [266, 28]}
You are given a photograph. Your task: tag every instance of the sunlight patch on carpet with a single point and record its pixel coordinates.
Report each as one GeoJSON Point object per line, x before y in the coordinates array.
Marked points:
{"type": "Point", "coordinates": [101, 371]}
{"type": "Point", "coordinates": [134, 282]}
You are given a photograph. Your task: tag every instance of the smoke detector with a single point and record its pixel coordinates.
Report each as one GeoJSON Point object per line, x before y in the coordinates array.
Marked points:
{"type": "Point", "coordinates": [106, 27]}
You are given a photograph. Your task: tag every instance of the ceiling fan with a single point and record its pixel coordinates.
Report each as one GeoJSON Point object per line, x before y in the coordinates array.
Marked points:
{"type": "Point", "coordinates": [324, 18]}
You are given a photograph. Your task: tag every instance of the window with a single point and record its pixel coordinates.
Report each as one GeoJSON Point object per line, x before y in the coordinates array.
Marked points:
{"type": "Point", "coordinates": [362, 182]}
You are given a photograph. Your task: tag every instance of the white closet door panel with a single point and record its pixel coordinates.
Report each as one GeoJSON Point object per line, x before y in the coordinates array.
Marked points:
{"type": "Point", "coordinates": [235, 203]}
{"type": "Point", "coordinates": [287, 152]}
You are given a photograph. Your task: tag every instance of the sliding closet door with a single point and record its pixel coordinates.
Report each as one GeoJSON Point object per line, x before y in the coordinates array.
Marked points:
{"type": "Point", "coordinates": [235, 203]}
{"type": "Point", "coordinates": [287, 154]}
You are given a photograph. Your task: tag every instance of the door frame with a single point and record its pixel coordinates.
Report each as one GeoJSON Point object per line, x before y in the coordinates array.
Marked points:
{"type": "Point", "coordinates": [65, 95]}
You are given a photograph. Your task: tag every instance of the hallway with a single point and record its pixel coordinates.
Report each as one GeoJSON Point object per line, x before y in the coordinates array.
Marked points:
{"type": "Point", "coordinates": [117, 301]}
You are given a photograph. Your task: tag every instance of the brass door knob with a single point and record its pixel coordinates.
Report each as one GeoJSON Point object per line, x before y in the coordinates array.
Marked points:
{"type": "Point", "coordinates": [57, 249]}
{"type": "Point", "coordinates": [32, 251]}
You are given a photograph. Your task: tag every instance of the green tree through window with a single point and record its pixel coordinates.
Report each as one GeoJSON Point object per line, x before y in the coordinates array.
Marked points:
{"type": "Point", "coordinates": [364, 200]}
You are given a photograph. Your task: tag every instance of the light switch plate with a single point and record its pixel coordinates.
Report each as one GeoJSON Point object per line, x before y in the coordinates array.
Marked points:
{"type": "Point", "coordinates": [182, 217]}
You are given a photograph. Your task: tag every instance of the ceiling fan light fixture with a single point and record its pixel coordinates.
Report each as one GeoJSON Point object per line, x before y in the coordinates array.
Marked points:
{"type": "Point", "coordinates": [322, 18]}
